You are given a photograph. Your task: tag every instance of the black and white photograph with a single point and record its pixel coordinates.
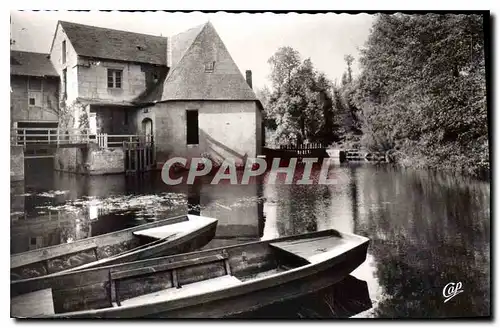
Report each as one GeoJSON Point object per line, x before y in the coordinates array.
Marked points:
{"type": "Point", "coordinates": [292, 165]}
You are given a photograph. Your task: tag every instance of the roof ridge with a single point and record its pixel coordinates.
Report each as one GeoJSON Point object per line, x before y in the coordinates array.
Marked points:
{"type": "Point", "coordinates": [189, 29]}
{"type": "Point", "coordinates": [173, 69]}
{"type": "Point", "coordinates": [31, 52]}
{"type": "Point", "coordinates": [111, 29]}
{"type": "Point", "coordinates": [188, 80]}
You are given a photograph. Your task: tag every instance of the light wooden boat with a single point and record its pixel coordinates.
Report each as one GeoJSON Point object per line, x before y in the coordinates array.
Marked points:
{"type": "Point", "coordinates": [206, 284]}
{"type": "Point", "coordinates": [159, 238]}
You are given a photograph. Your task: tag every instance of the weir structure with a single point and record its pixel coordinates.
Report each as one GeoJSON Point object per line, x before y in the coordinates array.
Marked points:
{"type": "Point", "coordinates": [82, 152]}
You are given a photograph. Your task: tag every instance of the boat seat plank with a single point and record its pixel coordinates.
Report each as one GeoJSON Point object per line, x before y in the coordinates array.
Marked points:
{"type": "Point", "coordinates": [32, 304]}
{"type": "Point", "coordinates": [195, 288]}
{"type": "Point", "coordinates": [315, 249]}
{"type": "Point", "coordinates": [168, 266]}
{"type": "Point", "coordinates": [166, 231]}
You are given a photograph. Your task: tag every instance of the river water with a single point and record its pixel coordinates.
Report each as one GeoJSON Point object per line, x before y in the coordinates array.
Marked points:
{"type": "Point", "coordinates": [427, 229]}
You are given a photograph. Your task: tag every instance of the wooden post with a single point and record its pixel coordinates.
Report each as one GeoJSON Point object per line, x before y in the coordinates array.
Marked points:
{"type": "Point", "coordinates": [139, 154]}
{"type": "Point", "coordinates": [127, 154]}
{"type": "Point", "coordinates": [136, 160]}
{"type": "Point", "coordinates": [153, 151]}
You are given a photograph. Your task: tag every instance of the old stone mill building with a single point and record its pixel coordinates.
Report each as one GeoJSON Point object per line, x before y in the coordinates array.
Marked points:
{"type": "Point", "coordinates": [121, 91]}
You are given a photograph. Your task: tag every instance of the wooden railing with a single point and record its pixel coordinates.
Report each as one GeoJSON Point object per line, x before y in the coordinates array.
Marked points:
{"type": "Point", "coordinates": [47, 136]}
{"type": "Point", "coordinates": [301, 151]}
{"type": "Point", "coordinates": [105, 140]}
{"type": "Point", "coordinates": [55, 136]}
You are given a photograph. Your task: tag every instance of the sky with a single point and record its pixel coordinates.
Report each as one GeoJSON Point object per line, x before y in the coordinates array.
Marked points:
{"type": "Point", "coordinates": [250, 38]}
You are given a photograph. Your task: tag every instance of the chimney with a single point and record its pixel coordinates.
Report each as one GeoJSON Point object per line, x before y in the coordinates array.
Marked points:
{"type": "Point", "coordinates": [249, 78]}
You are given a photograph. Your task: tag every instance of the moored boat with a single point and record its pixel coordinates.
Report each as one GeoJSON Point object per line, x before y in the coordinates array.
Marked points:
{"type": "Point", "coordinates": [205, 284]}
{"type": "Point", "coordinates": [159, 238]}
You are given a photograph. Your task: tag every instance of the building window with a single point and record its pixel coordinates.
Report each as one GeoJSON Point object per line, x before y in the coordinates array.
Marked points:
{"type": "Point", "coordinates": [192, 127]}
{"type": "Point", "coordinates": [35, 84]}
{"type": "Point", "coordinates": [64, 82]}
{"type": "Point", "coordinates": [114, 78]}
{"type": "Point", "coordinates": [209, 67]}
{"type": "Point", "coordinates": [152, 78]}
{"type": "Point", "coordinates": [64, 52]}
{"type": "Point", "coordinates": [32, 101]}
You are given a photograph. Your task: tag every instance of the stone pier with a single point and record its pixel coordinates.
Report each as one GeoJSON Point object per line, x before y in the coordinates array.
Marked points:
{"type": "Point", "coordinates": [90, 160]}
{"type": "Point", "coordinates": [16, 163]}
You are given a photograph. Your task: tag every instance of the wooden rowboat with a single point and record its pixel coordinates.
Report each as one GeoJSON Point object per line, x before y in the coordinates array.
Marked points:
{"type": "Point", "coordinates": [159, 238]}
{"type": "Point", "coordinates": [206, 284]}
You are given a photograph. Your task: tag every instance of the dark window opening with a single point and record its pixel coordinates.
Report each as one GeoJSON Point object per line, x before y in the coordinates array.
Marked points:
{"type": "Point", "coordinates": [64, 52]}
{"type": "Point", "coordinates": [114, 78]}
{"type": "Point", "coordinates": [32, 102]}
{"type": "Point", "coordinates": [209, 67]}
{"type": "Point", "coordinates": [152, 78]}
{"type": "Point", "coordinates": [64, 81]}
{"type": "Point", "coordinates": [33, 240]}
{"type": "Point", "coordinates": [192, 127]}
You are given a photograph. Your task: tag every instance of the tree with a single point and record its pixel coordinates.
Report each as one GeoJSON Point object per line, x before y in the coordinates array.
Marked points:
{"type": "Point", "coordinates": [349, 59]}
{"type": "Point", "coordinates": [349, 118]}
{"type": "Point", "coordinates": [422, 89]}
{"type": "Point", "coordinates": [283, 63]}
{"type": "Point", "coordinates": [299, 106]}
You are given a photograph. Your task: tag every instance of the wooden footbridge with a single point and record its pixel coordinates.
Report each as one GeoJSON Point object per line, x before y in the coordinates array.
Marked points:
{"type": "Point", "coordinates": [45, 138]}
{"type": "Point", "coordinates": [318, 150]}
{"type": "Point", "coordinates": [43, 142]}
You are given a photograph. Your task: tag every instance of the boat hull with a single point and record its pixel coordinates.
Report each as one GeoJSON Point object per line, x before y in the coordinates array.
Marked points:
{"type": "Point", "coordinates": [245, 297]}
{"type": "Point", "coordinates": [185, 242]}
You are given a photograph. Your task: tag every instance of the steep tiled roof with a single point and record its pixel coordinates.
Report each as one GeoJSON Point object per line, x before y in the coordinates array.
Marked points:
{"type": "Point", "coordinates": [31, 64]}
{"type": "Point", "coordinates": [181, 42]}
{"type": "Point", "coordinates": [105, 43]}
{"type": "Point", "coordinates": [187, 80]}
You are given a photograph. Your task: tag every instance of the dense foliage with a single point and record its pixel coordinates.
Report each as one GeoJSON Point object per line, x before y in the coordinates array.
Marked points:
{"type": "Point", "coordinates": [422, 90]}
{"type": "Point", "coordinates": [420, 95]}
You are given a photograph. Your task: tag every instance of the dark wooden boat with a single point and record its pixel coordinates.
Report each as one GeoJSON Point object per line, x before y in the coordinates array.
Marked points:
{"type": "Point", "coordinates": [206, 284]}
{"type": "Point", "coordinates": [159, 238]}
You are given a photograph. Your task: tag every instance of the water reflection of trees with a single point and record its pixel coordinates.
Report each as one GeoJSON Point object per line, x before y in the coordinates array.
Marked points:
{"type": "Point", "coordinates": [436, 233]}
{"type": "Point", "coordinates": [299, 207]}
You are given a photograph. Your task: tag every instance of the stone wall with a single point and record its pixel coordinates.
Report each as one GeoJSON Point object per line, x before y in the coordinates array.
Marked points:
{"type": "Point", "coordinates": [106, 161]}
{"type": "Point", "coordinates": [19, 100]}
{"type": "Point", "coordinates": [227, 129]}
{"type": "Point", "coordinates": [93, 80]}
{"type": "Point", "coordinates": [16, 163]}
{"type": "Point", "coordinates": [90, 160]}
{"type": "Point", "coordinates": [70, 65]}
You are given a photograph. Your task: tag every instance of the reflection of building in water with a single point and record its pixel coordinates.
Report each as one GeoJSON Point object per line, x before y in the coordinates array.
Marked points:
{"type": "Point", "coordinates": [342, 207]}
{"type": "Point", "coordinates": [294, 209]}
{"type": "Point", "coordinates": [48, 230]}
{"type": "Point", "coordinates": [238, 209]}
